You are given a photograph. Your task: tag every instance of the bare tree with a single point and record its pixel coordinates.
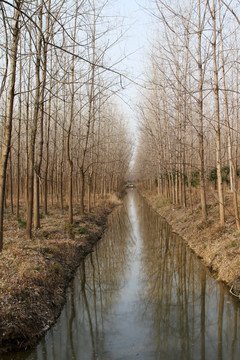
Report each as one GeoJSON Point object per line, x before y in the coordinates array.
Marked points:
{"type": "Point", "coordinates": [217, 113]}
{"type": "Point", "coordinates": [9, 113]}
{"type": "Point", "coordinates": [34, 125]}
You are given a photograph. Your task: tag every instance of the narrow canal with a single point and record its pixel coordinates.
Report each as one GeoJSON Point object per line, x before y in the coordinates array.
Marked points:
{"type": "Point", "coordinates": [142, 295]}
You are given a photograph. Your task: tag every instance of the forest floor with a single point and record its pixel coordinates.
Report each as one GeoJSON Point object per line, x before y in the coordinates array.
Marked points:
{"type": "Point", "coordinates": [218, 247]}
{"type": "Point", "coordinates": [34, 273]}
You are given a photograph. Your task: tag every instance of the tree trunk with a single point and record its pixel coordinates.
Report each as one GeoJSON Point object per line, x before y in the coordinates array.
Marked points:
{"type": "Point", "coordinates": [200, 110]}
{"type": "Point", "coordinates": [217, 117]}
{"type": "Point", "coordinates": [34, 130]}
{"type": "Point", "coordinates": [233, 168]}
{"type": "Point", "coordinates": [9, 114]}
{"type": "Point", "coordinates": [82, 192]}
{"type": "Point", "coordinates": [19, 140]}
{"type": "Point", "coordinates": [69, 160]}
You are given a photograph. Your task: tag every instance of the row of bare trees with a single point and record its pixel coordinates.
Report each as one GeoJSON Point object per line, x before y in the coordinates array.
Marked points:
{"type": "Point", "coordinates": [190, 112]}
{"type": "Point", "coordinates": [63, 140]}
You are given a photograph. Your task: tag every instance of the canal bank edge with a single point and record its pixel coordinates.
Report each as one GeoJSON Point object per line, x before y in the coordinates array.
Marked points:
{"type": "Point", "coordinates": [217, 247]}
{"type": "Point", "coordinates": [33, 288]}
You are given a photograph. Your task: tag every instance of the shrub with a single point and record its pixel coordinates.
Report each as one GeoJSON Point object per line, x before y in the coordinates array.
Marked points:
{"type": "Point", "coordinates": [21, 223]}
{"type": "Point", "coordinates": [195, 178]}
{"type": "Point", "coordinates": [225, 171]}
{"type": "Point", "coordinates": [81, 229]}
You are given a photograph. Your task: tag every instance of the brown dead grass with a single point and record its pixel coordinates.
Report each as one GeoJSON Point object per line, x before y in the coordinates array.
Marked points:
{"type": "Point", "coordinates": [218, 247]}
{"type": "Point", "coordinates": [34, 274]}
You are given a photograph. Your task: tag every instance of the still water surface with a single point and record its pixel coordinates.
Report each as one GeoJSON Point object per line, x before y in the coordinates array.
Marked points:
{"type": "Point", "coordinates": [142, 295]}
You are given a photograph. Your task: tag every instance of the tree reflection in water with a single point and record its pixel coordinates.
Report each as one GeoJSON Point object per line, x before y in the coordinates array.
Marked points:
{"type": "Point", "coordinates": [192, 316]}
{"type": "Point", "coordinates": [142, 294]}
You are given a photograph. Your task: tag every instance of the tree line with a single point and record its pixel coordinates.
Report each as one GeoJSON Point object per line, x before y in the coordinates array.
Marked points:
{"type": "Point", "coordinates": [63, 139]}
{"type": "Point", "coordinates": [189, 113]}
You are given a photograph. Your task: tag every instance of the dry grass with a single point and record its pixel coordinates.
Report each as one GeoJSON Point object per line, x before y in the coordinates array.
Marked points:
{"type": "Point", "coordinates": [34, 274]}
{"type": "Point", "coordinates": [218, 247]}
{"type": "Point", "coordinates": [113, 199]}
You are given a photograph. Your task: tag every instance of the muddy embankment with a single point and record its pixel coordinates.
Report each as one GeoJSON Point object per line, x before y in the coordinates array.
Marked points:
{"type": "Point", "coordinates": [34, 274]}
{"type": "Point", "coordinates": [217, 247]}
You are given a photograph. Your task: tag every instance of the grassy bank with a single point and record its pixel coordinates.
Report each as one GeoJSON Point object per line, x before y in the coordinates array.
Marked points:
{"type": "Point", "coordinates": [218, 247]}
{"type": "Point", "coordinates": [34, 274]}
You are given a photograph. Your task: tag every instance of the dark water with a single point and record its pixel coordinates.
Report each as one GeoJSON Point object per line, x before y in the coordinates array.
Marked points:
{"type": "Point", "coordinates": [142, 295]}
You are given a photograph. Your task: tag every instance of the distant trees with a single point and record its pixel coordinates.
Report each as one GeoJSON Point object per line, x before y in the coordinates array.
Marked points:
{"type": "Point", "coordinates": [192, 100]}
{"type": "Point", "coordinates": [67, 146]}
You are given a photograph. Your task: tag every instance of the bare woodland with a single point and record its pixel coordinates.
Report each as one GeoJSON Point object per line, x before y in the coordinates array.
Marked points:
{"type": "Point", "coordinates": [63, 141]}
{"type": "Point", "coordinates": [189, 139]}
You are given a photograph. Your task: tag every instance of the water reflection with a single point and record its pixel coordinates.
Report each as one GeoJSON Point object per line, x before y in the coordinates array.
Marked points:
{"type": "Point", "coordinates": [191, 316]}
{"type": "Point", "coordinates": [142, 294]}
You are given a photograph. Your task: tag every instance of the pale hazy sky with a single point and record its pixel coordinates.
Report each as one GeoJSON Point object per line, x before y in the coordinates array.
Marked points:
{"type": "Point", "coordinates": [139, 28]}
